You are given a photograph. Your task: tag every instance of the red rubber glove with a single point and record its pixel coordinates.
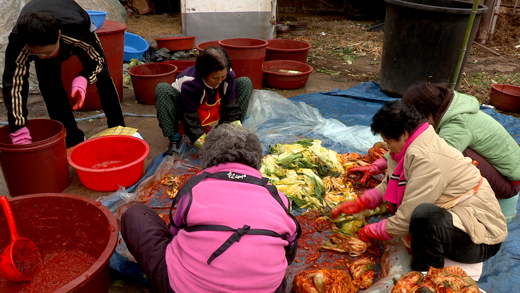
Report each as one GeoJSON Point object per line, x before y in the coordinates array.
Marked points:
{"type": "Point", "coordinates": [374, 231]}
{"type": "Point", "coordinates": [370, 199]}
{"type": "Point", "coordinates": [21, 136]}
{"type": "Point", "coordinates": [373, 169]}
{"type": "Point", "coordinates": [79, 90]}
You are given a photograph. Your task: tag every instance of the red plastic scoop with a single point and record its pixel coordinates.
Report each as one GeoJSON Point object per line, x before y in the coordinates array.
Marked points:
{"type": "Point", "coordinates": [20, 260]}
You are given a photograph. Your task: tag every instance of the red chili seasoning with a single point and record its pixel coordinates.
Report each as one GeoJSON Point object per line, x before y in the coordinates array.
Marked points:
{"type": "Point", "coordinates": [59, 268]}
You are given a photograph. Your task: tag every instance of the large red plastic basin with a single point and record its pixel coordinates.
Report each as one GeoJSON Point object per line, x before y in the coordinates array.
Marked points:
{"type": "Point", "coordinates": [180, 64]}
{"type": "Point", "coordinates": [65, 222]}
{"type": "Point", "coordinates": [107, 162]}
{"type": "Point", "coordinates": [286, 49]}
{"type": "Point", "coordinates": [146, 77]}
{"type": "Point", "coordinates": [112, 38]}
{"type": "Point", "coordinates": [505, 97]}
{"type": "Point", "coordinates": [40, 166]}
{"type": "Point", "coordinates": [202, 46]}
{"type": "Point", "coordinates": [247, 56]}
{"type": "Point", "coordinates": [273, 77]}
{"type": "Point", "coordinates": [176, 43]}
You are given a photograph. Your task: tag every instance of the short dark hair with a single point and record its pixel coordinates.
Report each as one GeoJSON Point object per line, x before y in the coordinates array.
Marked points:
{"type": "Point", "coordinates": [38, 29]}
{"type": "Point", "coordinates": [227, 143]}
{"type": "Point", "coordinates": [426, 97]}
{"type": "Point", "coordinates": [212, 59]}
{"type": "Point", "coordinates": [395, 118]}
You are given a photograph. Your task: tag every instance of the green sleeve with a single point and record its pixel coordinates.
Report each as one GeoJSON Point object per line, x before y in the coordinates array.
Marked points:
{"type": "Point", "coordinates": [456, 133]}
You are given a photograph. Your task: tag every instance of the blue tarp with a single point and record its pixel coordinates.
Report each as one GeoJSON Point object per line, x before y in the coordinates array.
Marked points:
{"type": "Point", "coordinates": [355, 107]}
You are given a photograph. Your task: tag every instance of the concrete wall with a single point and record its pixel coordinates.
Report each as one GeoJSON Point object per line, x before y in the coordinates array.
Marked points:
{"type": "Point", "coordinates": [351, 8]}
{"type": "Point", "coordinates": [211, 20]}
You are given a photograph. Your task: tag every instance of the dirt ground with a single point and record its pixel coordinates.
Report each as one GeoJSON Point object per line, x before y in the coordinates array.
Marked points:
{"type": "Point", "coordinates": [332, 36]}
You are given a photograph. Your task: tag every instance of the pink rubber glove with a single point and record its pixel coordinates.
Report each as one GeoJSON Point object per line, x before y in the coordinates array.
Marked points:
{"type": "Point", "coordinates": [374, 231]}
{"type": "Point", "coordinates": [21, 136]}
{"type": "Point", "coordinates": [79, 90]}
{"type": "Point", "coordinates": [373, 169]}
{"type": "Point", "coordinates": [370, 199]}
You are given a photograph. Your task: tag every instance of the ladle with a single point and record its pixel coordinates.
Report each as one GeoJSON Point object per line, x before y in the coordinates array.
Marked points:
{"type": "Point", "coordinates": [20, 260]}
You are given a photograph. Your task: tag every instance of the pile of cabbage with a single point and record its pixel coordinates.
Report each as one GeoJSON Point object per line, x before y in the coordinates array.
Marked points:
{"type": "Point", "coordinates": [312, 177]}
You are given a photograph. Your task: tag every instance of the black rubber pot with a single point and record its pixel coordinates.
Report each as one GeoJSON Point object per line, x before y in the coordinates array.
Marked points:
{"type": "Point", "coordinates": [422, 42]}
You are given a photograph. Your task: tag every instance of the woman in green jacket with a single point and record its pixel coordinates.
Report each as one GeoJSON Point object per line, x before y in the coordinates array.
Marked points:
{"type": "Point", "coordinates": [457, 118]}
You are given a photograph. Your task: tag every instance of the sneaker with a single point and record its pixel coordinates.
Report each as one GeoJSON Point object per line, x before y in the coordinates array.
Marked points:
{"type": "Point", "coordinates": [173, 148]}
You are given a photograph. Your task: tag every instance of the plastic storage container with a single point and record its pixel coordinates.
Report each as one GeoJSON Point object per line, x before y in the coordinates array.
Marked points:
{"type": "Point", "coordinates": [180, 64]}
{"type": "Point", "coordinates": [176, 43]}
{"type": "Point", "coordinates": [286, 74]}
{"type": "Point", "coordinates": [146, 77]}
{"type": "Point", "coordinates": [97, 17]}
{"type": "Point", "coordinates": [286, 49]}
{"type": "Point", "coordinates": [38, 167]}
{"type": "Point", "coordinates": [247, 56]}
{"type": "Point", "coordinates": [505, 97]}
{"type": "Point", "coordinates": [58, 223]}
{"type": "Point", "coordinates": [112, 38]}
{"type": "Point", "coordinates": [509, 207]}
{"type": "Point", "coordinates": [105, 163]}
{"type": "Point", "coordinates": [135, 46]}
{"type": "Point", "coordinates": [202, 46]}
{"type": "Point", "coordinates": [423, 41]}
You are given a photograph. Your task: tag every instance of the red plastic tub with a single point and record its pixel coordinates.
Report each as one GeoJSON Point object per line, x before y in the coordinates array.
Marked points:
{"type": "Point", "coordinates": [286, 49]}
{"type": "Point", "coordinates": [505, 97]}
{"type": "Point", "coordinates": [107, 162]}
{"type": "Point", "coordinates": [204, 45]}
{"type": "Point", "coordinates": [112, 38]}
{"type": "Point", "coordinates": [38, 167]}
{"type": "Point", "coordinates": [180, 64]}
{"type": "Point", "coordinates": [176, 43]}
{"type": "Point", "coordinates": [64, 225]}
{"type": "Point", "coordinates": [146, 77]}
{"type": "Point", "coordinates": [277, 74]}
{"type": "Point", "coordinates": [247, 56]}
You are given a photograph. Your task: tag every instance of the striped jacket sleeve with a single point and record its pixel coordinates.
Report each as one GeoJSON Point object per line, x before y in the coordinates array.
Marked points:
{"type": "Point", "coordinates": [90, 53]}
{"type": "Point", "coordinates": [15, 84]}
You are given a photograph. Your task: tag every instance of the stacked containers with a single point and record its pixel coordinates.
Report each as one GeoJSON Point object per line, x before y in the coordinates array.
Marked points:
{"type": "Point", "coordinates": [285, 66]}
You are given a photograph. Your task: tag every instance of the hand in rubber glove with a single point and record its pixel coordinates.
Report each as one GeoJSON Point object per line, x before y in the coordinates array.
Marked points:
{"type": "Point", "coordinates": [78, 91]}
{"type": "Point", "coordinates": [373, 169]}
{"type": "Point", "coordinates": [21, 136]}
{"type": "Point", "coordinates": [370, 199]}
{"type": "Point", "coordinates": [374, 231]}
{"type": "Point", "coordinates": [200, 141]}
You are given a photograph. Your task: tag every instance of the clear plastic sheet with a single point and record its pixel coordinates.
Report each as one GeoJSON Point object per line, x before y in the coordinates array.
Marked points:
{"type": "Point", "coordinates": [149, 192]}
{"type": "Point", "coordinates": [395, 262]}
{"type": "Point", "coordinates": [276, 119]}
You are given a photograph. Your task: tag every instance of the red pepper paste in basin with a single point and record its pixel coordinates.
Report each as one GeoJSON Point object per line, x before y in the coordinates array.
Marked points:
{"type": "Point", "coordinates": [76, 236]}
{"type": "Point", "coordinates": [59, 268]}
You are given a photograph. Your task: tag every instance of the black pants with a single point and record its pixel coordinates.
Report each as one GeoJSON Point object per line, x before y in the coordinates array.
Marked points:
{"type": "Point", "coordinates": [147, 237]}
{"type": "Point", "coordinates": [434, 237]}
{"type": "Point", "coordinates": [48, 72]}
{"type": "Point", "coordinates": [502, 186]}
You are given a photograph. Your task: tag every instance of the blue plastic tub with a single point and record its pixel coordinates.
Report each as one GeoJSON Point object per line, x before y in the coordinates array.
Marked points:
{"type": "Point", "coordinates": [135, 46]}
{"type": "Point", "coordinates": [97, 17]}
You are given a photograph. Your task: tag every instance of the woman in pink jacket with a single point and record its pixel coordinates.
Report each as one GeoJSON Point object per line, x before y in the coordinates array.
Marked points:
{"type": "Point", "coordinates": [231, 232]}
